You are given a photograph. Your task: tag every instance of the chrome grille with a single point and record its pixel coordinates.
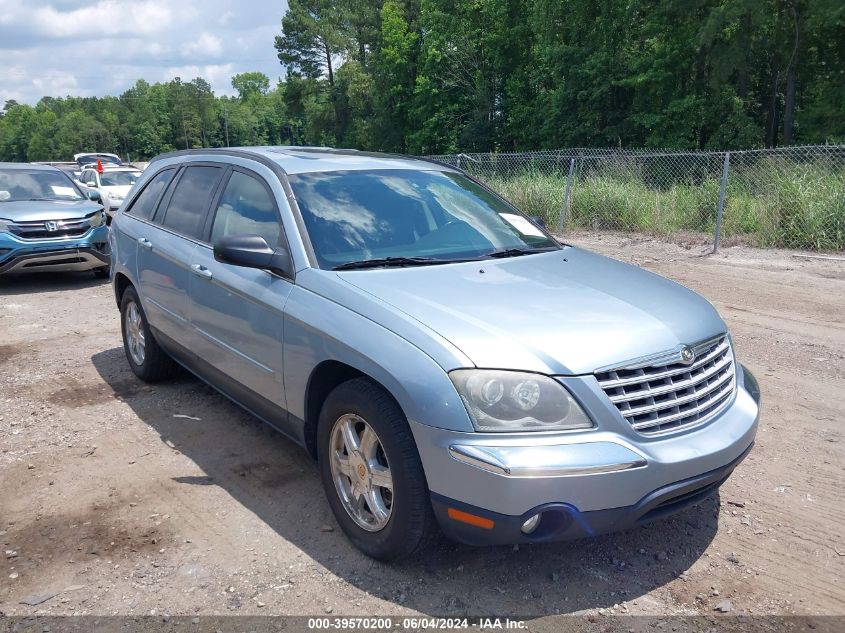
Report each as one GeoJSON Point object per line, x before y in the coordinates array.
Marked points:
{"type": "Point", "coordinates": [61, 228]}
{"type": "Point", "coordinates": [666, 394]}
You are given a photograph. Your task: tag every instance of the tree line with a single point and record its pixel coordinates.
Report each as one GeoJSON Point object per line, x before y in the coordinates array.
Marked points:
{"type": "Point", "coordinates": [438, 76]}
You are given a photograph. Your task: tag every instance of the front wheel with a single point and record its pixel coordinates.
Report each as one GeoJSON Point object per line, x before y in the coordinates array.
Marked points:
{"type": "Point", "coordinates": [372, 473]}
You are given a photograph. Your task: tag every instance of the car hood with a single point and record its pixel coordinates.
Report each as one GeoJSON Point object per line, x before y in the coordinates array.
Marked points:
{"type": "Point", "coordinates": [563, 312]}
{"type": "Point", "coordinates": [37, 210]}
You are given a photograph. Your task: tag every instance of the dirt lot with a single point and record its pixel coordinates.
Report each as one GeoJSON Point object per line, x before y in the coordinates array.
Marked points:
{"type": "Point", "coordinates": [120, 498]}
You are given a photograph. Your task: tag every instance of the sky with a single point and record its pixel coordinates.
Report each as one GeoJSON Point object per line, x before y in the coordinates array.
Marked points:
{"type": "Point", "coordinates": [59, 48]}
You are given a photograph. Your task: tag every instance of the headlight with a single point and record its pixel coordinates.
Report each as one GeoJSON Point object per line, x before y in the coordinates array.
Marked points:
{"type": "Point", "coordinates": [501, 401]}
{"type": "Point", "coordinates": [97, 219]}
{"type": "Point", "coordinates": [4, 226]}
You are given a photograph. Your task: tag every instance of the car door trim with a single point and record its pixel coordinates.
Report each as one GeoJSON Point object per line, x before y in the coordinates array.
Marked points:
{"type": "Point", "coordinates": [165, 309]}
{"type": "Point", "coordinates": [235, 351]}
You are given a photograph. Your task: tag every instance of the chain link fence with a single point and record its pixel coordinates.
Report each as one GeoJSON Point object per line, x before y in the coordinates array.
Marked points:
{"type": "Point", "coordinates": [790, 197]}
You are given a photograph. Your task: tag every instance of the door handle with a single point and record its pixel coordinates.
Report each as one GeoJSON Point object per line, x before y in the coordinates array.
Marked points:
{"type": "Point", "coordinates": [143, 241]}
{"type": "Point", "coordinates": [201, 271]}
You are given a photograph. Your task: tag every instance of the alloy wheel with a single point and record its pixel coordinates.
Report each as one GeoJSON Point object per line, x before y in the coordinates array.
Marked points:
{"type": "Point", "coordinates": [134, 330]}
{"type": "Point", "coordinates": [361, 472]}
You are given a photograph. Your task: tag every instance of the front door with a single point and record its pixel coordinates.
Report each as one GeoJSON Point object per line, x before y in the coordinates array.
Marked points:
{"type": "Point", "coordinates": [237, 311]}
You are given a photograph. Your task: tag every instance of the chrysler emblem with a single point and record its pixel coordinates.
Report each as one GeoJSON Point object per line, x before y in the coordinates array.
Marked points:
{"type": "Point", "coordinates": [51, 226]}
{"type": "Point", "coordinates": [687, 354]}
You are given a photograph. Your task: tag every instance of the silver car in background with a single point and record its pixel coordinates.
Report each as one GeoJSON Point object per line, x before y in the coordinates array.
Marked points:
{"type": "Point", "coordinates": [112, 183]}
{"type": "Point", "coordinates": [444, 359]}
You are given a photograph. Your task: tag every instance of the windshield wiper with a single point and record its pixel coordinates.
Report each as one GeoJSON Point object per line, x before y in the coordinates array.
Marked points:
{"type": "Point", "coordinates": [394, 262]}
{"type": "Point", "coordinates": [516, 252]}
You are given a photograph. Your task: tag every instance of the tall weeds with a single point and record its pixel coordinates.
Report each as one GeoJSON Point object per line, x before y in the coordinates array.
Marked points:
{"type": "Point", "coordinates": [769, 203]}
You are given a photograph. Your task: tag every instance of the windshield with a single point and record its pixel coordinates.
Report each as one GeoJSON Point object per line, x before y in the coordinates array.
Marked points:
{"type": "Point", "coordinates": [354, 216]}
{"type": "Point", "coordinates": [118, 178]}
{"type": "Point", "coordinates": [36, 184]}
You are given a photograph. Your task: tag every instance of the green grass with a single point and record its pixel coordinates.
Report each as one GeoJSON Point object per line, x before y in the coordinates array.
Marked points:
{"type": "Point", "coordinates": [768, 204]}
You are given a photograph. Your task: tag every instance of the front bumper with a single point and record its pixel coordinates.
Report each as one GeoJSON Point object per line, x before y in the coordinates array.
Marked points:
{"type": "Point", "coordinates": [584, 483]}
{"type": "Point", "coordinates": [563, 521]}
{"type": "Point", "coordinates": [86, 252]}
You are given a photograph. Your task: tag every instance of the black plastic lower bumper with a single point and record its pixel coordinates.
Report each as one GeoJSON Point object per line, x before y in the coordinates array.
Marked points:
{"type": "Point", "coordinates": [563, 521]}
{"type": "Point", "coordinates": [82, 258]}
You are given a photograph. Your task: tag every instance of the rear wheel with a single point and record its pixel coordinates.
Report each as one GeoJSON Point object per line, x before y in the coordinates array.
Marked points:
{"type": "Point", "coordinates": [146, 358]}
{"type": "Point", "coordinates": [372, 472]}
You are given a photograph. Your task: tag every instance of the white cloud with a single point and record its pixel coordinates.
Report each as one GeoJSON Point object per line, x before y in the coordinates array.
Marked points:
{"type": "Point", "coordinates": [206, 45]}
{"type": "Point", "coordinates": [130, 18]}
{"type": "Point", "coordinates": [60, 82]}
{"type": "Point", "coordinates": [66, 47]}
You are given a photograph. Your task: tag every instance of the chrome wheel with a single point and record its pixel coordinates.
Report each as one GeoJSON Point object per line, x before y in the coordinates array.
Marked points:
{"type": "Point", "coordinates": [361, 473]}
{"type": "Point", "coordinates": [134, 332]}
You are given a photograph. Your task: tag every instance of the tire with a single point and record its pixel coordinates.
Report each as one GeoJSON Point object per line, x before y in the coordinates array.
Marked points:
{"type": "Point", "coordinates": [411, 523]}
{"type": "Point", "coordinates": [153, 363]}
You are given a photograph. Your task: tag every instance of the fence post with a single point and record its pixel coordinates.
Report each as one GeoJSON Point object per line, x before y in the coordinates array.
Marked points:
{"type": "Point", "coordinates": [717, 235]}
{"type": "Point", "coordinates": [566, 195]}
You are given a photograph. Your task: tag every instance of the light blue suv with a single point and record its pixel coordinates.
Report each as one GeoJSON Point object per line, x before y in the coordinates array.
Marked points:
{"type": "Point", "coordinates": [444, 359]}
{"type": "Point", "coordinates": [47, 224]}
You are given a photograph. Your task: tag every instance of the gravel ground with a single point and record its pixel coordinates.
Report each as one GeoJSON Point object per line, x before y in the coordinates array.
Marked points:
{"type": "Point", "coordinates": [122, 498]}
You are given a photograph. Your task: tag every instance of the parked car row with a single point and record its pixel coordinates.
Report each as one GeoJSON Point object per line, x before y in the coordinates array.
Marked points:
{"type": "Point", "coordinates": [81, 161]}
{"type": "Point", "coordinates": [106, 173]}
{"type": "Point", "coordinates": [54, 216]}
{"type": "Point", "coordinates": [47, 223]}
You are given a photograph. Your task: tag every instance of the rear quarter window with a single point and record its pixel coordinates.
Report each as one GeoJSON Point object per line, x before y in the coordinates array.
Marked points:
{"type": "Point", "coordinates": [144, 205]}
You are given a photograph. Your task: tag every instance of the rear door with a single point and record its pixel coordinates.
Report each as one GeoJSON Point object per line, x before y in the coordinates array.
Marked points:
{"type": "Point", "coordinates": [134, 222]}
{"type": "Point", "coordinates": [237, 311]}
{"type": "Point", "coordinates": [166, 249]}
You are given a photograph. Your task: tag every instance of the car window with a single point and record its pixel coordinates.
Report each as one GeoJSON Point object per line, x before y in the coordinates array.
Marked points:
{"type": "Point", "coordinates": [246, 208]}
{"type": "Point", "coordinates": [88, 176]}
{"type": "Point", "coordinates": [360, 215]}
{"type": "Point", "coordinates": [190, 198]}
{"type": "Point", "coordinates": [21, 183]}
{"type": "Point", "coordinates": [145, 204]}
{"type": "Point", "coordinates": [119, 178]}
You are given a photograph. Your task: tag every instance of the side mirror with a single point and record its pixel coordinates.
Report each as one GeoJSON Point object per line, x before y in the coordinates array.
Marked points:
{"type": "Point", "coordinates": [253, 251]}
{"type": "Point", "coordinates": [538, 220]}
{"type": "Point", "coordinates": [94, 195]}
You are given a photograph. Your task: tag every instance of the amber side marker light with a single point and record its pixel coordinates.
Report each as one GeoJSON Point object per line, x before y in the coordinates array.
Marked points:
{"type": "Point", "coordinates": [472, 519]}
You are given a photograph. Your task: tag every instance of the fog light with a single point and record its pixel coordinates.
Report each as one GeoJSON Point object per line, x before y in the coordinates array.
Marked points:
{"type": "Point", "coordinates": [531, 524]}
